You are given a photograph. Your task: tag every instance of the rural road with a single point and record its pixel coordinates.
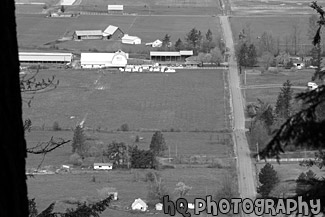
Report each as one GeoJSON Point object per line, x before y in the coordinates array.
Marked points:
{"type": "Point", "coordinates": [246, 173]}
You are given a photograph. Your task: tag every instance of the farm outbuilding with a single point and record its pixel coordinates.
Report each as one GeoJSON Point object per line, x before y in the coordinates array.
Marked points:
{"type": "Point", "coordinates": [103, 166]}
{"type": "Point", "coordinates": [139, 204]}
{"type": "Point", "coordinates": [113, 32]}
{"type": "Point", "coordinates": [26, 57]}
{"type": "Point", "coordinates": [115, 8]}
{"type": "Point", "coordinates": [170, 55]}
{"type": "Point", "coordinates": [101, 60]}
{"type": "Point", "coordinates": [128, 39]}
{"type": "Point", "coordinates": [156, 43]}
{"type": "Point", "coordinates": [88, 34]}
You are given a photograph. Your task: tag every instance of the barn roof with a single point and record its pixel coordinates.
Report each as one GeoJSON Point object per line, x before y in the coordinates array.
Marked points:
{"type": "Point", "coordinates": [110, 30]}
{"type": "Point", "coordinates": [186, 52]}
{"type": "Point", "coordinates": [172, 53]}
{"type": "Point", "coordinates": [88, 32]}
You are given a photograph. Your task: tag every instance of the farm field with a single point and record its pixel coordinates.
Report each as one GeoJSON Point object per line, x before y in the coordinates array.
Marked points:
{"type": "Point", "coordinates": [190, 100]}
{"type": "Point", "coordinates": [182, 144]}
{"type": "Point", "coordinates": [155, 7]}
{"type": "Point", "coordinates": [129, 184]}
{"type": "Point", "coordinates": [297, 78]}
{"type": "Point", "coordinates": [271, 7]}
{"type": "Point", "coordinates": [278, 26]}
{"type": "Point", "coordinates": [36, 31]}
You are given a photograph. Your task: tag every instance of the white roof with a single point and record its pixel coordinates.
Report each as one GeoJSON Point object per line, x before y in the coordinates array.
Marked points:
{"type": "Point", "coordinates": [164, 53]}
{"type": "Point", "coordinates": [33, 56]}
{"type": "Point", "coordinates": [100, 58]}
{"type": "Point", "coordinates": [88, 32]}
{"type": "Point", "coordinates": [115, 7]}
{"type": "Point", "coordinates": [110, 30]}
{"type": "Point", "coordinates": [129, 37]}
{"type": "Point", "coordinates": [171, 53]}
{"type": "Point", "coordinates": [103, 164]}
{"type": "Point", "coordinates": [186, 52]}
{"type": "Point", "coordinates": [67, 2]}
{"type": "Point", "coordinates": [139, 201]}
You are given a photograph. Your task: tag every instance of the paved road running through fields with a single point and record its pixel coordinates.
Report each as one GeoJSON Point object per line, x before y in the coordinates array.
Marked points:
{"type": "Point", "coordinates": [246, 173]}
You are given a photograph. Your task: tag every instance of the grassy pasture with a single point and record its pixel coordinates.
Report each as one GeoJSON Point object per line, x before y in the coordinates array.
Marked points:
{"type": "Point", "coordinates": [253, 7]}
{"type": "Point", "coordinates": [169, 7]}
{"type": "Point", "coordinates": [36, 30]}
{"type": "Point", "coordinates": [186, 144]}
{"type": "Point", "coordinates": [297, 78]}
{"type": "Point", "coordinates": [48, 188]}
{"type": "Point", "coordinates": [278, 26]}
{"type": "Point", "coordinates": [188, 100]}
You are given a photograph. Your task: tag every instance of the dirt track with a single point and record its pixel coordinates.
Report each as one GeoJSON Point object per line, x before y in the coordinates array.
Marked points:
{"type": "Point", "coordinates": [246, 177]}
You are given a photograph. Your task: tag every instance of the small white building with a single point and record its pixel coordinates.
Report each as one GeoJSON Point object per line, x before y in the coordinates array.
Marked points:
{"type": "Point", "coordinates": [139, 204]}
{"type": "Point", "coordinates": [159, 206]}
{"type": "Point", "coordinates": [156, 43]}
{"type": "Point", "coordinates": [102, 60]}
{"type": "Point", "coordinates": [103, 166]}
{"type": "Point", "coordinates": [128, 39]}
{"type": "Point", "coordinates": [115, 8]}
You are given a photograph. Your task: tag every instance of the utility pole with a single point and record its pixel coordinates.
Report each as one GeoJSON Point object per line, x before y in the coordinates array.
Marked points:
{"type": "Point", "coordinates": [176, 150]}
{"type": "Point", "coordinates": [168, 153]}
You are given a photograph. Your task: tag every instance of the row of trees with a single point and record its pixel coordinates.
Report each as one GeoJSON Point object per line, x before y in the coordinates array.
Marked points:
{"type": "Point", "coordinates": [123, 155]}
{"type": "Point", "coordinates": [195, 41]}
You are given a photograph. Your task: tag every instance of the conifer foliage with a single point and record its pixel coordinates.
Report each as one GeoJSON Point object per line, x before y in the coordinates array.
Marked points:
{"type": "Point", "coordinates": [268, 178]}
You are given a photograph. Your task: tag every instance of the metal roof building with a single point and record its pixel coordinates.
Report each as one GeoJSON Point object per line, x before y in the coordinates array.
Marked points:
{"type": "Point", "coordinates": [115, 8]}
{"type": "Point", "coordinates": [101, 60]}
{"type": "Point", "coordinates": [26, 57]}
{"type": "Point", "coordinates": [87, 34]}
{"type": "Point", "coordinates": [170, 55]}
{"type": "Point", "coordinates": [113, 32]}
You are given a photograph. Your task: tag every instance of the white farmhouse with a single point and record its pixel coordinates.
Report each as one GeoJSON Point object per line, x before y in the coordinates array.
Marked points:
{"type": "Point", "coordinates": [128, 39]}
{"type": "Point", "coordinates": [139, 204]}
{"type": "Point", "coordinates": [102, 60]}
{"type": "Point", "coordinates": [156, 43]}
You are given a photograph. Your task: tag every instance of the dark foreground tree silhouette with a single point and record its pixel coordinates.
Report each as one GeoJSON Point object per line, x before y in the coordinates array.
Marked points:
{"type": "Point", "coordinates": [304, 128]}
{"type": "Point", "coordinates": [268, 178]}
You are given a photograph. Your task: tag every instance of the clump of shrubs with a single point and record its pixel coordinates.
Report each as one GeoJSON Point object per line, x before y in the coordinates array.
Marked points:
{"type": "Point", "coordinates": [56, 126]}
{"type": "Point", "coordinates": [124, 128]}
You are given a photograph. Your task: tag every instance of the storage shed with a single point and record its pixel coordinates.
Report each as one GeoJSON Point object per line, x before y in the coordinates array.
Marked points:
{"type": "Point", "coordinates": [128, 39]}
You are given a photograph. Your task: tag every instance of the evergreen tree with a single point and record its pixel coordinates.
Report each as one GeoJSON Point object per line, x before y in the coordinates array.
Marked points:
{"type": "Point", "coordinates": [158, 145]}
{"type": "Point", "coordinates": [166, 41]}
{"type": "Point", "coordinates": [268, 178]}
{"type": "Point", "coordinates": [283, 107]}
{"type": "Point", "coordinates": [179, 45]}
{"type": "Point", "coordinates": [242, 55]}
{"type": "Point", "coordinates": [301, 183]}
{"type": "Point", "coordinates": [208, 36]}
{"type": "Point", "coordinates": [78, 142]}
{"type": "Point", "coordinates": [117, 153]}
{"type": "Point", "coordinates": [251, 55]}
{"type": "Point", "coordinates": [193, 40]}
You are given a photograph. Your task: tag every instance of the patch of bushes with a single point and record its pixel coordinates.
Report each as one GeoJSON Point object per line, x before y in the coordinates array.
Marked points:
{"type": "Point", "coordinates": [124, 128]}
{"type": "Point", "coordinates": [75, 159]}
{"type": "Point", "coordinates": [56, 126]}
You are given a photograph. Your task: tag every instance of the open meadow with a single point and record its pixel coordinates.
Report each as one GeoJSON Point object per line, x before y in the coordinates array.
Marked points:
{"type": "Point", "coordinates": [270, 7]}
{"type": "Point", "coordinates": [190, 100]}
{"type": "Point", "coordinates": [37, 31]}
{"type": "Point", "coordinates": [296, 77]}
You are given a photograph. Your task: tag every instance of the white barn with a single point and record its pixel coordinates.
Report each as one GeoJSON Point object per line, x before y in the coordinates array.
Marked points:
{"type": "Point", "coordinates": [128, 39]}
{"type": "Point", "coordinates": [101, 60]}
{"type": "Point", "coordinates": [103, 166]}
{"type": "Point", "coordinates": [32, 57]}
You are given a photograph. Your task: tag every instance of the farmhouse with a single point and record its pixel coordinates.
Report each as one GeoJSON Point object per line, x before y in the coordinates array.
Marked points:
{"type": "Point", "coordinates": [103, 166]}
{"type": "Point", "coordinates": [113, 32]}
{"type": "Point", "coordinates": [115, 8]}
{"type": "Point", "coordinates": [128, 39]}
{"type": "Point", "coordinates": [139, 204]}
{"type": "Point", "coordinates": [26, 57]}
{"type": "Point", "coordinates": [170, 55]}
{"type": "Point", "coordinates": [101, 60]}
{"type": "Point", "coordinates": [87, 34]}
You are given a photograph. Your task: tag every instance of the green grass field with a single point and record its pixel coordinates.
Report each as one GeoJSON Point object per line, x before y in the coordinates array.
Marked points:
{"type": "Point", "coordinates": [36, 31]}
{"type": "Point", "coordinates": [277, 26]}
{"type": "Point", "coordinates": [188, 100]}
{"type": "Point", "coordinates": [297, 78]}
